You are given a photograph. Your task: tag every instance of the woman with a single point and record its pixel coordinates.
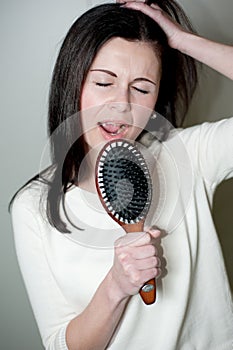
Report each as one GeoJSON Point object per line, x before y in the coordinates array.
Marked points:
{"type": "Point", "coordinates": [116, 67]}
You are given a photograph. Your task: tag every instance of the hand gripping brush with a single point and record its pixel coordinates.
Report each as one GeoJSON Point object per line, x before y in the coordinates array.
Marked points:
{"type": "Point", "coordinates": [124, 186]}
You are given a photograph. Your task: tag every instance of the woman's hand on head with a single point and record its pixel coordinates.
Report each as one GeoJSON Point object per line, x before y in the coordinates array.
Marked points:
{"type": "Point", "coordinates": [135, 262]}
{"type": "Point", "coordinates": [173, 30]}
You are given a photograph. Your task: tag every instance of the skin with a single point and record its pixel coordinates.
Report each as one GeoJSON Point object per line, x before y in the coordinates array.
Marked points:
{"type": "Point", "coordinates": [122, 87]}
{"type": "Point", "coordinates": [216, 55]}
{"type": "Point", "coordinates": [119, 79]}
{"type": "Point", "coordinates": [135, 261]}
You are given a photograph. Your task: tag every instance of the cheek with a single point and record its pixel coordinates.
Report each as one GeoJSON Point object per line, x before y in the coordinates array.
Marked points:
{"type": "Point", "coordinates": [86, 100]}
{"type": "Point", "coordinates": [143, 112]}
{"type": "Point", "coordinates": [141, 115]}
{"type": "Point", "coordinates": [149, 101]}
{"type": "Point", "coordinates": [88, 97]}
{"type": "Point", "coordinates": [91, 98]}
{"type": "Point", "coordinates": [88, 115]}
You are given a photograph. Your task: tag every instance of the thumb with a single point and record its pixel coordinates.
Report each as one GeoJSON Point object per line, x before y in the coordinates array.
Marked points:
{"type": "Point", "coordinates": [153, 231]}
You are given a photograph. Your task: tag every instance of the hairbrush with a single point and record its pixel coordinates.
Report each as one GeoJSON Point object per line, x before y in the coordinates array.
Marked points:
{"type": "Point", "coordinates": [124, 186]}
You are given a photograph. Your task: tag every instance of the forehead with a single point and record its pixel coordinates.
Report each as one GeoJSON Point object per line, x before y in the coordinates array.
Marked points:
{"type": "Point", "coordinates": [136, 55]}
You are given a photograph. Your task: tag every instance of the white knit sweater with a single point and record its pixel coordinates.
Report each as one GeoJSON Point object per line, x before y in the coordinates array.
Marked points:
{"type": "Point", "coordinates": [194, 307]}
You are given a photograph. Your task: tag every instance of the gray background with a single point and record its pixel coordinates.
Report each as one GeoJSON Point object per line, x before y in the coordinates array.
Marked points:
{"type": "Point", "coordinates": [31, 33]}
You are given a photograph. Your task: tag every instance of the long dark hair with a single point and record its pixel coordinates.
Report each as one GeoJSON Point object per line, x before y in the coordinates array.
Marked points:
{"type": "Point", "coordinates": [81, 44]}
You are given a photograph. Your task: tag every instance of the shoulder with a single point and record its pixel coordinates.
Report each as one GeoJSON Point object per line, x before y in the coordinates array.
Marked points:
{"type": "Point", "coordinates": [201, 132]}
{"type": "Point", "coordinates": [207, 149]}
{"type": "Point", "coordinates": [28, 209]}
{"type": "Point", "coordinates": [32, 197]}
{"type": "Point", "coordinates": [195, 136]}
{"type": "Point", "coordinates": [29, 194]}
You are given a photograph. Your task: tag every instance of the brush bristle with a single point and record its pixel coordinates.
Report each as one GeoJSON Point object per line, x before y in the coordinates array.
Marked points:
{"type": "Point", "coordinates": [123, 181]}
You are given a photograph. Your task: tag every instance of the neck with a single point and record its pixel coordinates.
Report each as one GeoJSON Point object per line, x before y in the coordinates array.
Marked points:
{"type": "Point", "coordinates": [88, 184]}
{"type": "Point", "coordinates": [86, 177]}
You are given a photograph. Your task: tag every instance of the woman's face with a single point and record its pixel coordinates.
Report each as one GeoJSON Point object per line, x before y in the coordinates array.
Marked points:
{"type": "Point", "coordinates": [120, 91]}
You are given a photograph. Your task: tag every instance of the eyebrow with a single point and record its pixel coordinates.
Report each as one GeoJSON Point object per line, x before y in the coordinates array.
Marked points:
{"type": "Point", "coordinates": [104, 71]}
{"type": "Point", "coordinates": [115, 76]}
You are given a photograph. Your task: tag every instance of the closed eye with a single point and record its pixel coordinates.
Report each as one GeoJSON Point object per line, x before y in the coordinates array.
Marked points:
{"type": "Point", "coordinates": [140, 90]}
{"type": "Point", "coordinates": [103, 84]}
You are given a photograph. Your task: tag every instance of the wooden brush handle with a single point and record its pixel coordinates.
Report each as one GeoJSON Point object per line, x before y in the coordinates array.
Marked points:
{"type": "Point", "coordinates": [148, 290]}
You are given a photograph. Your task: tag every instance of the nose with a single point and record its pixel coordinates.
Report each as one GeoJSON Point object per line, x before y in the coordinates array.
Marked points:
{"type": "Point", "coordinates": [120, 102]}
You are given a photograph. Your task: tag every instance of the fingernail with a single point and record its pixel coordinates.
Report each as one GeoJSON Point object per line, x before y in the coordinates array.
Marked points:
{"type": "Point", "coordinates": [154, 228]}
{"type": "Point", "coordinates": [155, 231]}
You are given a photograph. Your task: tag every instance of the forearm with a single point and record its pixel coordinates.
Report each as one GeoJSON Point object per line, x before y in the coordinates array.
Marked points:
{"type": "Point", "coordinates": [135, 262]}
{"type": "Point", "coordinates": [215, 55]}
{"type": "Point", "coordinates": [94, 327]}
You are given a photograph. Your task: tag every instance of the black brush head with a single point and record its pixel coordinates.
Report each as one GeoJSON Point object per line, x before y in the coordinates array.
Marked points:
{"type": "Point", "coordinates": [123, 182]}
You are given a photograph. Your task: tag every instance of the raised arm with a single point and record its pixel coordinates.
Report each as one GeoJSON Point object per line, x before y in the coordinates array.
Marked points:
{"type": "Point", "coordinates": [215, 55]}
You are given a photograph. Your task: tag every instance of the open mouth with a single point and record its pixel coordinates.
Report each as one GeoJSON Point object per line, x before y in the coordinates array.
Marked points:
{"type": "Point", "coordinates": [113, 128]}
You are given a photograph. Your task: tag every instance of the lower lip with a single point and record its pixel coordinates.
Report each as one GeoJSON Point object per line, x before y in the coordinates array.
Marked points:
{"type": "Point", "coordinates": [109, 136]}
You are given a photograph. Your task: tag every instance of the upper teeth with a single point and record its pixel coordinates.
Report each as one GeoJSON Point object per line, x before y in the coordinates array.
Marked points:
{"type": "Point", "coordinates": [113, 124]}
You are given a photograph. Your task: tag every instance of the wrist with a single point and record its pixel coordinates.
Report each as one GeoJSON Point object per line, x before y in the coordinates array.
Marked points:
{"type": "Point", "coordinates": [180, 42]}
{"type": "Point", "coordinates": [187, 43]}
{"type": "Point", "coordinates": [115, 294]}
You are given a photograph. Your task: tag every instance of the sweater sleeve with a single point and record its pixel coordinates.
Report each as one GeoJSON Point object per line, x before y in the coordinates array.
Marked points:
{"type": "Point", "coordinates": [215, 151]}
{"type": "Point", "coordinates": [210, 148]}
{"type": "Point", "coordinates": [50, 308]}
